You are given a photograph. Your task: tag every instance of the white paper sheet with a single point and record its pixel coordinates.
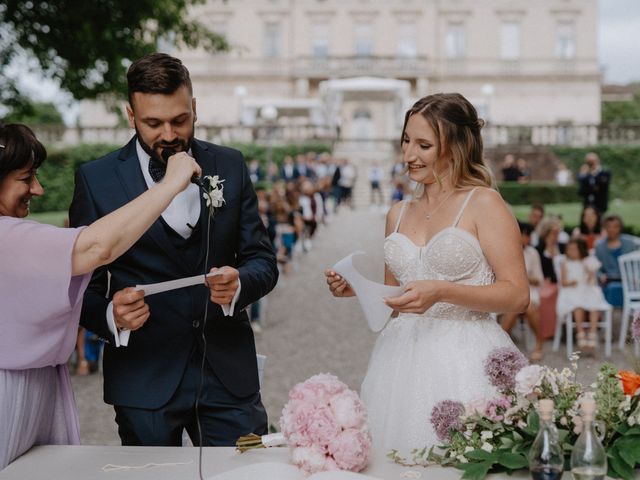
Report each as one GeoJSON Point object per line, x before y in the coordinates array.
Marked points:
{"type": "Point", "coordinates": [153, 288]}
{"type": "Point", "coordinates": [369, 293]}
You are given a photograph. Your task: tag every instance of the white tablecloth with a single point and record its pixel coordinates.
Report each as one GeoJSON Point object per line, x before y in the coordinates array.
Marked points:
{"type": "Point", "coordinates": [87, 462]}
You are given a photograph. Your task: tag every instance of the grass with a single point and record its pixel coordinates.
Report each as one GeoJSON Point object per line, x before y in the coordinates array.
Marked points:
{"type": "Point", "coordinates": [629, 211]}
{"type": "Point", "coordinates": [52, 218]}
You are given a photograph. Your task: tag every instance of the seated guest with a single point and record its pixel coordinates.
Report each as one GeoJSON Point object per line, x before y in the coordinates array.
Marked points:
{"type": "Point", "coordinates": [550, 250]}
{"type": "Point", "coordinates": [608, 250]}
{"type": "Point", "coordinates": [534, 273]}
{"type": "Point", "coordinates": [589, 230]}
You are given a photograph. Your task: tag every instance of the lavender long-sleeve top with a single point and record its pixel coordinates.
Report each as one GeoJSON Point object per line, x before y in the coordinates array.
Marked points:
{"type": "Point", "coordinates": [40, 299]}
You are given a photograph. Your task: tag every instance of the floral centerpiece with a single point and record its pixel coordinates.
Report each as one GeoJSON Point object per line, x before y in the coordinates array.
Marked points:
{"type": "Point", "coordinates": [495, 434]}
{"type": "Point", "coordinates": [325, 425]}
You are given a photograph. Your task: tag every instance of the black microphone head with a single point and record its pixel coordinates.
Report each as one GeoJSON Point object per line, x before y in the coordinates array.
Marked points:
{"type": "Point", "coordinates": [166, 153]}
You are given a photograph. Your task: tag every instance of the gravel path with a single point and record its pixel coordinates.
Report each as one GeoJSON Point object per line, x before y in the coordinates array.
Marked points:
{"type": "Point", "coordinates": [306, 330]}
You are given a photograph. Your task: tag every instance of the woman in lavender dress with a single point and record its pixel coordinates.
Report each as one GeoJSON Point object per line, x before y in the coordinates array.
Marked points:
{"type": "Point", "coordinates": [44, 272]}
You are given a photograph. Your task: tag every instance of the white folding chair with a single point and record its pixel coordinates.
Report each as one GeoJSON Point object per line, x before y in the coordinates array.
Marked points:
{"type": "Point", "coordinates": [567, 319]}
{"type": "Point", "coordinates": [630, 273]}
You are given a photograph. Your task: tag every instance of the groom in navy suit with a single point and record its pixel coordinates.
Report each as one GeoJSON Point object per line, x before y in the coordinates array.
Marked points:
{"type": "Point", "coordinates": [153, 358]}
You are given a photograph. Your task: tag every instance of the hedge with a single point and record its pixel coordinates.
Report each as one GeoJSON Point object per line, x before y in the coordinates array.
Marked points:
{"type": "Point", "coordinates": [622, 161]}
{"type": "Point", "coordinates": [57, 173]}
{"type": "Point", "coordinates": [537, 192]}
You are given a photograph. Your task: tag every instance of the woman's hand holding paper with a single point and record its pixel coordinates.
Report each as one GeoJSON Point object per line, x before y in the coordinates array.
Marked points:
{"type": "Point", "coordinates": [338, 285]}
{"type": "Point", "coordinates": [418, 297]}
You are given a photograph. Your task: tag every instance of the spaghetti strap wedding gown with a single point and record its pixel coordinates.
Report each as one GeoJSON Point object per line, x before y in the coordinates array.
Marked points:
{"type": "Point", "coordinates": [420, 359]}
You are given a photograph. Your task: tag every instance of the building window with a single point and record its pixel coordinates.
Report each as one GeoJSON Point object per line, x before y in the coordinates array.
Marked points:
{"type": "Point", "coordinates": [566, 40]}
{"type": "Point", "coordinates": [407, 40]}
{"type": "Point", "coordinates": [320, 40]}
{"type": "Point", "coordinates": [272, 42]}
{"type": "Point", "coordinates": [454, 40]}
{"type": "Point", "coordinates": [510, 41]}
{"type": "Point", "coordinates": [364, 39]}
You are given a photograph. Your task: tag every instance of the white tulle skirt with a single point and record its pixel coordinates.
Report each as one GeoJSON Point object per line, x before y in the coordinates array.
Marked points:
{"type": "Point", "coordinates": [419, 361]}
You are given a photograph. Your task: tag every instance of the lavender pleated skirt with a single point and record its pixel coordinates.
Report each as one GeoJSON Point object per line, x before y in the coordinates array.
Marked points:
{"type": "Point", "coordinates": [36, 408]}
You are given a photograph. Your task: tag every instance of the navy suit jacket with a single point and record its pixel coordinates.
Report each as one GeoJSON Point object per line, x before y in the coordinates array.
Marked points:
{"type": "Point", "coordinates": [147, 372]}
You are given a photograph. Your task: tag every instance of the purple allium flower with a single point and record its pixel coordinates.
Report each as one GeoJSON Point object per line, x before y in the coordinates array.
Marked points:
{"type": "Point", "coordinates": [635, 327]}
{"type": "Point", "coordinates": [445, 417]}
{"type": "Point", "coordinates": [502, 365]}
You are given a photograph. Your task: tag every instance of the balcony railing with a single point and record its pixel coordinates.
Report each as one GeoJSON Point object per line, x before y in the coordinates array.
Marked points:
{"type": "Point", "coordinates": [354, 66]}
{"type": "Point", "coordinates": [571, 135]}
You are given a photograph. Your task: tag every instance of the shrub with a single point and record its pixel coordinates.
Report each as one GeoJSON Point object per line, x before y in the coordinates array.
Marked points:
{"type": "Point", "coordinates": [623, 161]}
{"type": "Point", "coordinates": [537, 192]}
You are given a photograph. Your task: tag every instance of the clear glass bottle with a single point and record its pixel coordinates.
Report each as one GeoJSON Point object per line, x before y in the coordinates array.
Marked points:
{"type": "Point", "coordinates": [588, 459]}
{"type": "Point", "coordinates": [545, 457]}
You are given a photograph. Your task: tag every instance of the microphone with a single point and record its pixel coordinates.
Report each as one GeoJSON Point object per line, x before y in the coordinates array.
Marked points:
{"type": "Point", "coordinates": [169, 152]}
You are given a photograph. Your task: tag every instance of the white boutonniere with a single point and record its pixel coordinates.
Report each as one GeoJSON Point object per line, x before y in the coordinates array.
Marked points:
{"type": "Point", "coordinates": [214, 195]}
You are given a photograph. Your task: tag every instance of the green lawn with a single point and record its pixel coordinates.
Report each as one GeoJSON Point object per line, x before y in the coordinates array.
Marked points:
{"type": "Point", "coordinates": [629, 210]}
{"type": "Point", "coordinates": [52, 218]}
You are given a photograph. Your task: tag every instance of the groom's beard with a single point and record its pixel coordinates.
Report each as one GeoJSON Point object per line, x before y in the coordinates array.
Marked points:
{"type": "Point", "coordinates": [178, 145]}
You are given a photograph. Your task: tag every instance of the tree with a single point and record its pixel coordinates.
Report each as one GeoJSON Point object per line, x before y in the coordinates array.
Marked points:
{"type": "Point", "coordinates": [35, 113]}
{"type": "Point", "coordinates": [620, 112]}
{"type": "Point", "coordinates": [88, 45]}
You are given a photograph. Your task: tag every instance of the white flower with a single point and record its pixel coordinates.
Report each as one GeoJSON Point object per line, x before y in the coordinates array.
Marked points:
{"type": "Point", "coordinates": [462, 459]}
{"type": "Point", "coordinates": [487, 447]}
{"type": "Point", "coordinates": [468, 449]}
{"type": "Point", "coordinates": [486, 434]}
{"type": "Point", "coordinates": [528, 378]}
{"type": "Point", "coordinates": [214, 197]}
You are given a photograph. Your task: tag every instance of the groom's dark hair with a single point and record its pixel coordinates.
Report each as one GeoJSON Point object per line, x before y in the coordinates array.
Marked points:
{"type": "Point", "coordinates": [157, 73]}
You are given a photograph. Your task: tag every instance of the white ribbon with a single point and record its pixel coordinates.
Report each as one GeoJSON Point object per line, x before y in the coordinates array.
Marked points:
{"type": "Point", "coordinates": [113, 468]}
{"type": "Point", "coordinates": [273, 440]}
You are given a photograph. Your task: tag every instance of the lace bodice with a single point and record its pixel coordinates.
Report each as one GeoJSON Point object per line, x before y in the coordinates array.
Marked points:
{"type": "Point", "coordinates": [453, 255]}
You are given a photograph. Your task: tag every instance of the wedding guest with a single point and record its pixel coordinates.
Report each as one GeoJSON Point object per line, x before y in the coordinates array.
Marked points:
{"type": "Point", "coordinates": [510, 172]}
{"type": "Point", "coordinates": [563, 176]}
{"type": "Point", "coordinates": [255, 171]}
{"type": "Point", "coordinates": [199, 334]}
{"type": "Point", "coordinates": [45, 271]}
{"type": "Point", "coordinates": [608, 250]}
{"type": "Point", "coordinates": [594, 183]}
{"type": "Point", "coordinates": [455, 250]}
{"type": "Point", "coordinates": [536, 214]}
{"type": "Point", "coordinates": [534, 273]}
{"type": "Point", "coordinates": [579, 293]}
{"type": "Point", "coordinates": [589, 229]}
{"type": "Point", "coordinates": [347, 181]}
{"type": "Point", "coordinates": [524, 173]}
{"type": "Point", "coordinates": [288, 171]}
{"type": "Point", "coordinates": [376, 175]}
{"type": "Point", "coordinates": [550, 250]}
{"type": "Point", "coordinates": [311, 210]}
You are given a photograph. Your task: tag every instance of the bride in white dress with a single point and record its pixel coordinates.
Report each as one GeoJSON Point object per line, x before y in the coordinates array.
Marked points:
{"type": "Point", "coordinates": [455, 248]}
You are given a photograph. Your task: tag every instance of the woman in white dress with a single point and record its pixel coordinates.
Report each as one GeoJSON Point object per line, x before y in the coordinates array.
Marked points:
{"type": "Point", "coordinates": [455, 248]}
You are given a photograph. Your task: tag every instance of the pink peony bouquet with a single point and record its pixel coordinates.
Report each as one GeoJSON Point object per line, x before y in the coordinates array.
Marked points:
{"type": "Point", "coordinates": [325, 425]}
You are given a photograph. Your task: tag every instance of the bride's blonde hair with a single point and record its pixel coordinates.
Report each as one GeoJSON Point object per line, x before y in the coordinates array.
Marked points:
{"type": "Point", "coordinates": [457, 127]}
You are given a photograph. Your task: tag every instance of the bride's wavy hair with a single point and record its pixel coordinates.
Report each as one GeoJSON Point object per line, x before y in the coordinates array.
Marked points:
{"type": "Point", "coordinates": [457, 127]}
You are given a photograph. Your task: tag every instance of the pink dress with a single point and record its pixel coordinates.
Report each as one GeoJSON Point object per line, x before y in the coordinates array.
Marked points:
{"type": "Point", "coordinates": [40, 303]}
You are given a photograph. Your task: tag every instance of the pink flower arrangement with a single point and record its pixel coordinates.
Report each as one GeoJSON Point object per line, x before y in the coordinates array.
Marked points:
{"type": "Point", "coordinates": [325, 425]}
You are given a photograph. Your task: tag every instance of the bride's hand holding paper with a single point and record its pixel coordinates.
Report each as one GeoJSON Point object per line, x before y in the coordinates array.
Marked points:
{"type": "Point", "coordinates": [418, 297]}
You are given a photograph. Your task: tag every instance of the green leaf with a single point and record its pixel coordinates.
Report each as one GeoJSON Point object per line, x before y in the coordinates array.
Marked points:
{"type": "Point", "coordinates": [513, 461]}
{"type": "Point", "coordinates": [629, 450]}
{"type": "Point", "coordinates": [481, 455]}
{"type": "Point", "coordinates": [475, 470]}
{"type": "Point", "coordinates": [619, 468]}
{"type": "Point", "coordinates": [506, 442]}
{"type": "Point", "coordinates": [517, 437]}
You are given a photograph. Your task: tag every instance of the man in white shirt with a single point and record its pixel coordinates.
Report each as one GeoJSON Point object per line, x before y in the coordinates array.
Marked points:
{"type": "Point", "coordinates": [153, 362]}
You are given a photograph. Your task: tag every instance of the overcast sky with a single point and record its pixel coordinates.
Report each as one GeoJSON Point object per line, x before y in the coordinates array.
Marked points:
{"type": "Point", "coordinates": [619, 40]}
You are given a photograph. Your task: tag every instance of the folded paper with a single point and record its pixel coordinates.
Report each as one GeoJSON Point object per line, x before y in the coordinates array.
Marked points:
{"type": "Point", "coordinates": [153, 288]}
{"type": "Point", "coordinates": [369, 293]}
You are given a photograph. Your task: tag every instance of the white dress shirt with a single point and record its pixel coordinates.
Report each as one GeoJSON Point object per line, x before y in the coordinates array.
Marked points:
{"type": "Point", "coordinates": [184, 209]}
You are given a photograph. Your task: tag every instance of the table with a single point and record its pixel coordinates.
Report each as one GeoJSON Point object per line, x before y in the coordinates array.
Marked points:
{"type": "Point", "coordinates": [86, 462]}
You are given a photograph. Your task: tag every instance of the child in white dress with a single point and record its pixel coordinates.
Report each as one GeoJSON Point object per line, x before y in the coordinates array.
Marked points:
{"type": "Point", "coordinates": [579, 292]}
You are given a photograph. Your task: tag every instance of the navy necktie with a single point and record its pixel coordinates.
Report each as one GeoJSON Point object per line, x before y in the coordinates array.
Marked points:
{"type": "Point", "coordinates": [156, 170]}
